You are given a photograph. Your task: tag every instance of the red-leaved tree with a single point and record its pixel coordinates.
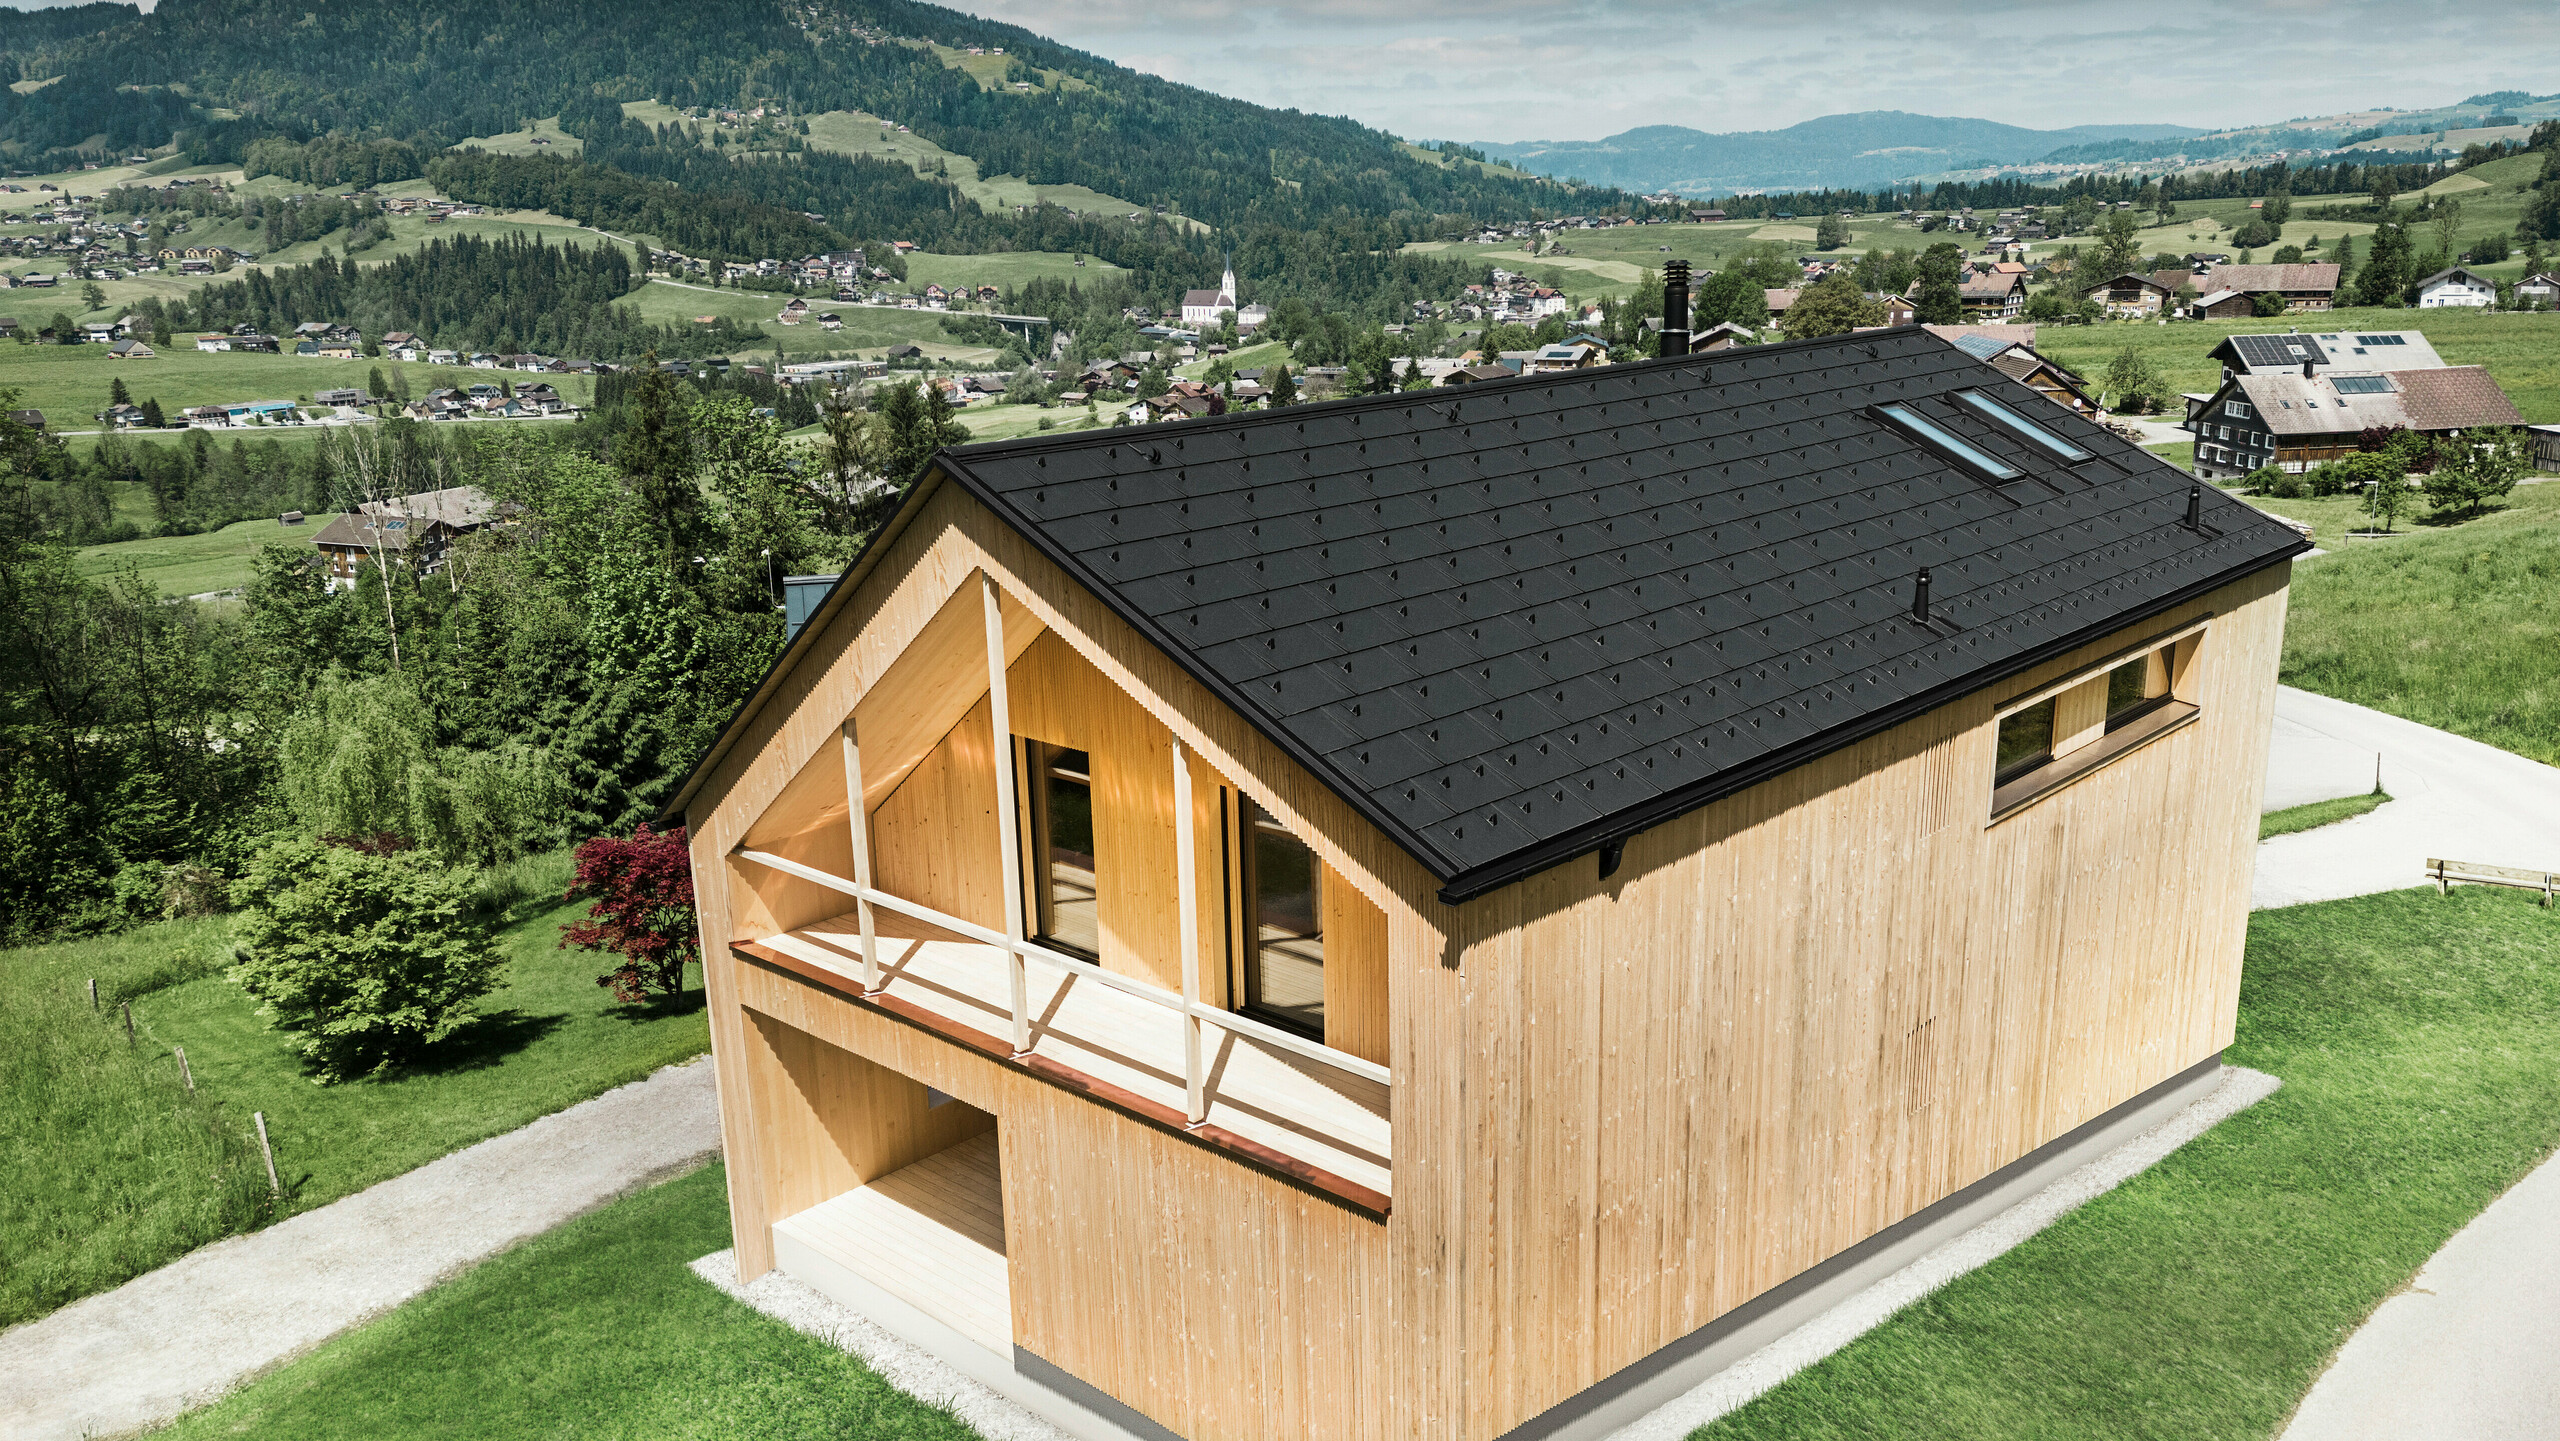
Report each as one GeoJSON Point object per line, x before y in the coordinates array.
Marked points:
{"type": "Point", "coordinates": [643, 911]}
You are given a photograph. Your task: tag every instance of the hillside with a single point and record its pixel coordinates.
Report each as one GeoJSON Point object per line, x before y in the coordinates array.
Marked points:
{"type": "Point", "coordinates": [1017, 104]}
{"type": "Point", "coordinates": [1878, 148]}
{"type": "Point", "coordinates": [1866, 150]}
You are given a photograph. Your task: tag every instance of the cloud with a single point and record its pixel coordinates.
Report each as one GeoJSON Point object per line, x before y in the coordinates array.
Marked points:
{"type": "Point", "coordinates": [1583, 69]}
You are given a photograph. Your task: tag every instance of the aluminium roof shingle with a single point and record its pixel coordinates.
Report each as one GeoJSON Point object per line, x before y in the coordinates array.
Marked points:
{"type": "Point", "coordinates": [1516, 622]}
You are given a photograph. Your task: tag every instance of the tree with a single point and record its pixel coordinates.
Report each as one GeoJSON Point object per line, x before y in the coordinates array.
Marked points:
{"type": "Point", "coordinates": [656, 454]}
{"type": "Point", "coordinates": [1283, 386]}
{"type": "Point", "coordinates": [117, 394]}
{"type": "Point", "coordinates": [1413, 377]}
{"type": "Point", "coordinates": [642, 889]}
{"type": "Point", "coordinates": [2446, 221]}
{"type": "Point", "coordinates": [2129, 385]}
{"type": "Point", "coordinates": [2119, 248]}
{"type": "Point", "coordinates": [371, 957]}
{"type": "Point", "coordinates": [358, 761]}
{"type": "Point", "coordinates": [2267, 304]}
{"type": "Point", "coordinates": [375, 385]}
{"type": "Point", "coordinates": [1831, 234]}
{"type": "Point", "coordinates": [2253, 234]}
{"type": "Point", "coordinates": [1833, 305]}
{"type": "Point", "coordinates": [2383, 478]}
{"type": "Point", "coordinates": [2387, 266]}
{"type": "Point", "coordinates": [1730, 297]}
{"type": "Point", "coordinates": [1941, 298]}
{"type": "Point", "coordinates": [152, 416]}
{"type": "Point", "coordinates": [93, 298]}
{"type": "Point", "coordinates": [2474, 469]}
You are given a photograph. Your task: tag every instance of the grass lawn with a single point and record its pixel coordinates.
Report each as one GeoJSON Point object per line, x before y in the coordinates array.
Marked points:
{"type": "Point", "coordinates": [851, 132]}
{"type": "Point", "coordinates": [596, 1329]}
{"type": "Point", "coordinates": [547, 1039]}
{"type": "Point", "coordinates": [2418, 1038]}
{"type": "Point", "coordinates": [2317, 814]}
{"type": "Point", "coordinates": [1004, 268]}
{"type": "Point", "coordinates": [217, 560]}
{"type": "Point", "coordinates": [868, 332]}
{"type": "Point", "coordinates": [2521, 351]}
{"type": "Point", "coordinates": [520, 142]}
{"type": "Point", "coordinates": [2452, 626]}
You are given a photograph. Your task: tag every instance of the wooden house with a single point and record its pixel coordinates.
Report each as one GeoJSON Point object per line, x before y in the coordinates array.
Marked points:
{"type": "Point", "coordinates": [2293, 420]}
{"type": "Point", "coordinates": [1448, 914]}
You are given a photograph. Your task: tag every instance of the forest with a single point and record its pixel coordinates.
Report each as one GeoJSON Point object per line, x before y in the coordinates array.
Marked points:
{"type": "Point", "coordinates": [547, 684]}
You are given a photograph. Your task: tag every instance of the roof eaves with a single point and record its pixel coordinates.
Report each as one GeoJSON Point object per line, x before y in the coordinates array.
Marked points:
{"type": "Point", "coordinates": [1626, 824]}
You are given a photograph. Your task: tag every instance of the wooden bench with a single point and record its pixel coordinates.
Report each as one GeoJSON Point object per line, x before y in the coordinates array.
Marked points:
{"type": "Point", "coordinates": [2445, 873]}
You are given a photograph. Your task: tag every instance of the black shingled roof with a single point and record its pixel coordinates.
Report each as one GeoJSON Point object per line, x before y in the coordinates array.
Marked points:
{"type": "Point", "coordinates": [1517, 623]}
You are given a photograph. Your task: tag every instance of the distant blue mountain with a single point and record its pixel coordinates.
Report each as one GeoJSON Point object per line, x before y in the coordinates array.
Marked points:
{"type": "Point", "coordinates": [1863, 151]}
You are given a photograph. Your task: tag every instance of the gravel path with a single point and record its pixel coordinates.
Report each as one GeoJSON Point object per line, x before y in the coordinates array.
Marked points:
{"type": "Point", "coordinates": [2451, 797]}
{"type": "Point", "coordinates": [183, 1335]}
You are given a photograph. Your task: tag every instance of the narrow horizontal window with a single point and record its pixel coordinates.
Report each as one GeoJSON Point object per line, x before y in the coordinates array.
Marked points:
{"type": "Point", "coordinates": [2361, 385]}
{"type": "Point", "coordinates": [1945, 442]}
{"type": "Point", "coordinates": [2026, 429]}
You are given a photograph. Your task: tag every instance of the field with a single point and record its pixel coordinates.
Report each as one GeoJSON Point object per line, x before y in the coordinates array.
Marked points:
{"type": "Point", "coordinates": [596, 1329]}
{"type": "Point", "coordinates": [1004, 269]}
{"type": "Point", "coordinates": [850, 132]}
{"type": "Point", "coordinates": [546, 1040]}
{"type": "Point", "coordinates": [2416, 1039]}
{"type": "Point", "coordinates": [520, 142]}
{"type": "Point", "coordinates": [2452, 626]}
{"type": "Point", "coordinates": [868, 330]}
{"type": "Point", "coordinates": [194, 565]}
{"type": "Point", "coordinates": [69, 383]}
{"type": "Point", "coordinates": [2521, 350]}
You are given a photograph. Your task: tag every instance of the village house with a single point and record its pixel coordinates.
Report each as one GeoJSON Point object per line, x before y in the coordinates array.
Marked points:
{"type": "Point", "coordinates": [2542, 288]}
{"type": "Point", "coordinates": [2457, 287]}
{"type": "Point", "coordinates": [1409, 898]}
{"type": "Point", "coordinates": [2145, 295]}
{"type": "Point", "coordinates": [1995, 295]}
{"type": "Point", "coordinates": [2292, 401]}
{"type": "Point", "coordinates": [2302, 287]}
{"type": "Point", "coordinates": [411, 530]}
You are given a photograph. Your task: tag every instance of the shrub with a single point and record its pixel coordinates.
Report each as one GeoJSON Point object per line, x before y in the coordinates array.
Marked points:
{"type": "Point", "coordinates": [643, 911]}
{"type": "Point", "coordinates": [2270, 481]}
{"type": "Point", "coordinates": [371, 958]}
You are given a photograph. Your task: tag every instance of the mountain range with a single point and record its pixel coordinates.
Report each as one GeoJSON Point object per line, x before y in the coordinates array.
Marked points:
{"type": "Point", "coordinates": [1867, 150]}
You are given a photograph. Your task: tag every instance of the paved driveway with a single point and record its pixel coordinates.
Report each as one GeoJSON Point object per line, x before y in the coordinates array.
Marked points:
{"type": "Point", "coordinates": [2451, 797]}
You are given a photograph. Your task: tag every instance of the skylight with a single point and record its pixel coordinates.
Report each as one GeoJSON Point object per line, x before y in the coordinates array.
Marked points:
{"type": "Point", "coordinates": [2027, 429]}
{"type": "Point", "coordinates": [1946, 443]}
{"type": "Point", "coordinates": [2362, 385]}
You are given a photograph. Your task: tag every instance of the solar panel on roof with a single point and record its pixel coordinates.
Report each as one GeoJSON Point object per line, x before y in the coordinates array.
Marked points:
{"type": "Point", "coordinates": [2382, 340]}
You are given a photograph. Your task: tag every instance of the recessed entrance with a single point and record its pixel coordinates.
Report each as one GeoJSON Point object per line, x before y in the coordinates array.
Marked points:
{"type": "Point", "coordinates": [894, 1191]}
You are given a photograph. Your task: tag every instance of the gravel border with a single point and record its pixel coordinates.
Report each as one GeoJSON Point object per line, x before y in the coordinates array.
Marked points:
{"type": "Point", "coordinates": [902, 1364]}
{"type": "Point", "coordinates": [926, 1377]}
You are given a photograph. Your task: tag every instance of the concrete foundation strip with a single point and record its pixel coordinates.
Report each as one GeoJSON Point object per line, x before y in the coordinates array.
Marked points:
{"type": "Point", "coordinates": [928, 1378]}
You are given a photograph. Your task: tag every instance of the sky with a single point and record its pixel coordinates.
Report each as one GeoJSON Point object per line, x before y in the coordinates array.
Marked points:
{"type": "Point", "coordinates": [1506, 70]}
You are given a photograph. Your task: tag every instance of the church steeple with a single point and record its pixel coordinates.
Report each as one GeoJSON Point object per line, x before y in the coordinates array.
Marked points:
{"type": "Point", "coordinates": [1227, 285]}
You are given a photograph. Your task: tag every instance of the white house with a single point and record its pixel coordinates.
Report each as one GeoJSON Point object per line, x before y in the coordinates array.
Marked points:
{"type": "Point", "coordinates": [2456, 287]}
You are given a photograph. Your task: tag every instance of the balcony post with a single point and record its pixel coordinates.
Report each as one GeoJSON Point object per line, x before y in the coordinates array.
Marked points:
{"type": "Point", "coordinates": [1186, 871]}
{"type": "Point", "coordinates": [858, 822]}
{"type": "Point", "coordinates": [1007, 837]}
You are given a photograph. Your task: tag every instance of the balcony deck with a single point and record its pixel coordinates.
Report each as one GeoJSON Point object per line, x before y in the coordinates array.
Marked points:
{"type": "Point", "coordinates": [1298, 1116]}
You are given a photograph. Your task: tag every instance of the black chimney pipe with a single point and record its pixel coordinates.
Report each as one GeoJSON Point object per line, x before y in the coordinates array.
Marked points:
{"type": "Point", "coordinates": [1920, 597]}
{"type": "Point", "coordinates": [2195, 506]}
{"type": "Point", "coordinates": [1675, 307]}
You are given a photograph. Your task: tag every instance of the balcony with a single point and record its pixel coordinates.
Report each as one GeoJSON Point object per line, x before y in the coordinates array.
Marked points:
{"type": "Point", "coordinates": [1268, 1098]}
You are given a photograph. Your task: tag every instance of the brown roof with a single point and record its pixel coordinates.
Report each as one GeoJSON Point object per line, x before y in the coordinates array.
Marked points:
{"type": "Point", "coordinates": [2452, 398]}
{"type": "Point", "coordinates": [2011, 334]}
{"type": "Point", "coordinates": [2456, 397]}
{"type": "Point", "coordinates": [1778, 301]}
{"type": "Point", "coordinates": [2272, 277]}
{"type": "Point", "coordinates": [1991, 285]}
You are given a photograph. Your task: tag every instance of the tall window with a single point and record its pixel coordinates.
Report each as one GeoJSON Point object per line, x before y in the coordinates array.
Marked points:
{"type": "Point", "coordinates": [1061, 796]}
{"type": "Point", "coordinates": [1283, 896]}
{"type": "Point", "coordinates": [2026, 742]}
